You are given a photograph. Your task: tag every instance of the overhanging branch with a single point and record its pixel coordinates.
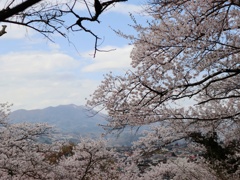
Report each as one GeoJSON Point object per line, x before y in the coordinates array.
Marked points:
{"type": "Point", "coordinates": [7, 13]}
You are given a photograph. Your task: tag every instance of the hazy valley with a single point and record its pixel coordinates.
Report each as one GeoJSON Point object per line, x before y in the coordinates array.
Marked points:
{"type": "Point", "coordinates": [72, 121]}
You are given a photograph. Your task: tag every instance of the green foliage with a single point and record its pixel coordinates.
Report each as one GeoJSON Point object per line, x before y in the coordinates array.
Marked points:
{"type": "Point", "coordinates": [65, 151]}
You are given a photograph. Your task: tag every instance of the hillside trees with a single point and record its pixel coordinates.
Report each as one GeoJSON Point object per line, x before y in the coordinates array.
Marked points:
{"type": "Point", "coordinates": [91, 159]}
{"type": "Point", "coordinates": [185, 79]}
{"type": "Point", "coordinates": [24, 156]}
{"type": "Point", "coordinates": [48, 17]}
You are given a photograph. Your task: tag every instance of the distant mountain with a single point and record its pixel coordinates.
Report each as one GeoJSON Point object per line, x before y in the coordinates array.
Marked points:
{"type": "Point", "coordinates": [73, 121]}
{"type": "Point", "coordinates": [67, 118]}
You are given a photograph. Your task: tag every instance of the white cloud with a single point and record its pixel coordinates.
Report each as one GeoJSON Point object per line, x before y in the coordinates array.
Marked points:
{"type": "Point", "coordinates": [25, 63]}
{"type": "Point", "coordinates": [118, 59]}
{"type": "Point", "coordinates": [54, 46]}
{"type": "Point", "coordinates": [36, 94]}
{"type": "Point", "coordinates": [39, 79]}
{"type": "Point", "coordinates": [126, 8]}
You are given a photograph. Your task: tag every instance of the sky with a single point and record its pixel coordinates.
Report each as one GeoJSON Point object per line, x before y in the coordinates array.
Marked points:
{"type": "Point", "coordinates": [36, 73]}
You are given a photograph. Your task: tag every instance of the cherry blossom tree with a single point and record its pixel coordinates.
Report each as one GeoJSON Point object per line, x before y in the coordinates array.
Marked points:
{"type": "Point", "coordinates": [184, 80]}
{"type": "Point", "coordinates": [91, 159]}
{"type": "Point", "coordinates": [24, 156]}
{"type": "Point", "coordinates": [177, 169]}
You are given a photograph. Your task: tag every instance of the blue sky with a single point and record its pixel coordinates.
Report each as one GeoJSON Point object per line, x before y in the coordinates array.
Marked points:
{"type": "Point", "coordinates": [36, 73]}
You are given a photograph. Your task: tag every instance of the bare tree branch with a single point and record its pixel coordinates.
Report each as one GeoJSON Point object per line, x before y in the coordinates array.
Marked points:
{"type": "Point", "coordinates": [9, 12]}
{"type": "Point", "coordinates": [48, 18]}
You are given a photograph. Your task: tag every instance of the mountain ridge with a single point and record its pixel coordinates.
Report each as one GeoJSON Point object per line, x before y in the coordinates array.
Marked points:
{"type": "Point", "coordinates": [72, 121]}
{"type": "Point", "coordinates": [69, 118]}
